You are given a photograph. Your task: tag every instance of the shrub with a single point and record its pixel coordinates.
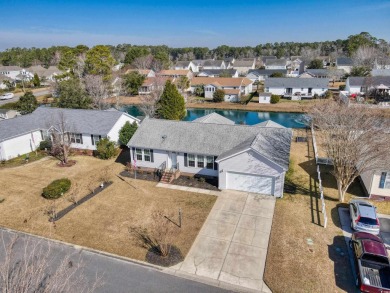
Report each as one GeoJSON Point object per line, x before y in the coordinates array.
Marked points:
{"type": "Point", "coordinates": [315, 96]}
{"type": "Point", "coordinates": [56, 189]}
{"type": "Point", "coordinates": [45, 144]}
{"type": "Point", "coordinates": [219, 96]}
{"type": "Point", "coordinates": [342, 87]}
{"type": "Point", "coordinates": [328, 94]}
{"type": "Point", "coordinates": [275, 99]}
{"type": "Point", "coordinates": [105, 149]}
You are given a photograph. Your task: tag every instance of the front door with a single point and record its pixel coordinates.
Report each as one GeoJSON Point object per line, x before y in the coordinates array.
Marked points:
{"type": "Point", "coordinates": [173, 159]}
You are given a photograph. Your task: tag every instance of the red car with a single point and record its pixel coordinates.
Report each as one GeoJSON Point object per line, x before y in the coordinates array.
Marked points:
{"type": "Point", "coordinates": [371, 263]}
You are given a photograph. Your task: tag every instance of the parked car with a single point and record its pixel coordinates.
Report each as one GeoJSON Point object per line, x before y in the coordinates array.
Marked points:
{"type": "Point", "coordinates": [371, 263]}
{"type": "Point", "coordinates": [363, 217]}
{"type": "Point", "coordinates": [6, 96]}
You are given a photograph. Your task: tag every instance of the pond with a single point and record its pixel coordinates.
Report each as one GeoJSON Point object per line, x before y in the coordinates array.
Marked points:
{"type": "Point", "coordinates": [291, 120]}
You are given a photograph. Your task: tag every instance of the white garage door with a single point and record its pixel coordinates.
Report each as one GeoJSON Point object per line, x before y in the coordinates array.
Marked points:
{"type": "Point", "coordinates": [249, 182]}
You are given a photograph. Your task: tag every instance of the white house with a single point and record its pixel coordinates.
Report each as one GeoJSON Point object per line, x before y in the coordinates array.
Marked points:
{"type": "Point", "coordinates": [16, 72]}
{"type": "Point", "coordinates": [22, 135]}
{"type": "Point", "coordinates": [234, 87]}
{"type": "Point", "coordinates": [247, 158]}
{"type": "Point", "coordinates": [262, 74]}
{"type": "Point", "coordinates": [152, 83]}
{"type": "Point", "coordinates": [354, 84]}
{"type": "Point", "coordinates": [330, 74]}
{"type": "Point", "coordinates": [176, 73]}
{"type": "Point", "coordinates": [276, 64]}
{"type": "Point", "coordinates": [361, 84]}
{"type": "Point", "coordinates": [296, 88]}
{"type": "Point", "coordinates": [244, 65]}
{"type": "Point", "coordinates": [186, 65]}
{"type": "Point", "coordinates": [376, 184]}
{"type": "Point", "coordinates": [8, 114]}
{"type": "Point", "coordinates": [47, 74]}
{"type": "Point", "coordinates": [210, 64]}
{"type": "Point", "coordinates": [265, 98]}
{"type": "Point", "coordinates": [344, 63]}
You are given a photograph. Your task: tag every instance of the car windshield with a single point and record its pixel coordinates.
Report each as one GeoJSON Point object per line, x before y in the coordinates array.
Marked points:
{"type": "Point", "coordinates": [368, 221]}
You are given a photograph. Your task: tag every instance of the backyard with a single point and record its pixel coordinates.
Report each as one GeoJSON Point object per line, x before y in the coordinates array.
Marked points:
{"type": "Point", "coordinates": [302, 255]}
{"type": "Point", "coordinates": [102, 222]}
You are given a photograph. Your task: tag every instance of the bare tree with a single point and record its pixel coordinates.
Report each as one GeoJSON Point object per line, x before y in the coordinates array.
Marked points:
{"type": "Point", "coordinates": [80, 65]}
{"type": "Point", "coordinates": [60, 130]}
{"type": "Point", "coordinates": [355, 140]}
{"type": "Point", "coordinates": [149, 102]}
{"type": "Point", "coordinates": [365, 56]}
{"type": "Point", "coordinates": [159, 234]}
{"type": "Point", "coordinates": [97, 89]}
{"type": "Point", "coordinates": [30, 265]}
{"type": "Point", "coordinates": [144, 62]}
{"type": "Point", "coordinates": [309, 54]}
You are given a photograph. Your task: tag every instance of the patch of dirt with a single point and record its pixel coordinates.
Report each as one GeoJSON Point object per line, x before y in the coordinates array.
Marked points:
{"type": "Point", "coordinates": [210, 183]}
{"type": "Point", "coordinates": [154, 257]}
{"type": "Point", "coordinates": [69, 164]}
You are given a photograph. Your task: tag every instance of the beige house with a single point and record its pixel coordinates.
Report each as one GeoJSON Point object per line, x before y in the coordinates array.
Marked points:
{"type": "Point", "coordinates": [376, 184]}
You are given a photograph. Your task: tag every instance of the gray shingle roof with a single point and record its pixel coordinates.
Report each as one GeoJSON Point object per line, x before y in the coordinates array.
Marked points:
{"type": "Point", "coordinates": [267, 72]}
{"type": "Point", "coordinates": [344, 61]}
{"type": "Point", "coordinates": [369, 80]}
{"type": "Point", "coordinates": [218, 72]}
{"type": "Point", "coordinates": [276, 62]}
{"type": "Point", "coordinates": [214, 118]}
{"type": "Point", "coordinates": [355, 80]}
{"type": "Point", "coordinates": [380, 72]}
{"type": "Point", "coordinates": [80, 121]}
{"type": "Point", "coordinates": [269, 123]}
{"type": "Point", "coordinates": [212, 62]}
{"type": "Point", "coordinates": [296, 82]}
{"type": "Point", "coordinates": [182, 63]}
{"type": "Point", "coordinates": [324, 72]}
{"type": "Point", "coordinates": [209, 138]}
{"type": "Point", "coordinates": [244, 63]}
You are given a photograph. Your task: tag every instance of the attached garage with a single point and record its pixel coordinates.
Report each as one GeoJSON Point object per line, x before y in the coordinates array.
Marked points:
{"type": "Point", "coordinates": [250, 183]}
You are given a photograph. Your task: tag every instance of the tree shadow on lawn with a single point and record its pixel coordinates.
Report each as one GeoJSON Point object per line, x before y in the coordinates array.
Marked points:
{"type": "Point", "coordinates": [338, 253]}
{"type": "Point", "coordinates": [124, 156]}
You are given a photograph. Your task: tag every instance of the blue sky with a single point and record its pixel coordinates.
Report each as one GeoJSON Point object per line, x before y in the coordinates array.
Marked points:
{"type": "Point", "coordinates": [43, 23]}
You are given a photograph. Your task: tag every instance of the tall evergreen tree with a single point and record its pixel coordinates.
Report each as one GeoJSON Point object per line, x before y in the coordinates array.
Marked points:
{"type": "Point", "coordinates": [171, 105]}
{"type": "Point", "coordinates": [27, 103]}
{"type": "Point", "coordinates": [127, 132]}
{"type": "Point", "coordinates": [36, 81]}
{"type": "Point", "coordinates": [71, 94]}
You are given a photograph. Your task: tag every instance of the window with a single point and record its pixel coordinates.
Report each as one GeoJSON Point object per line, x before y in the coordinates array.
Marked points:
{"type": "Point", "coordinates": [210, 162]}
{"type": "Point", "coordinates": [147, 157]}
{"type": "Point", "coordinates": [384, 182]}
{"type": "Point", "coordinates": [76, 138]}
{"type": "Point", "coordinates": [191, 160]}
{"type": "Point", "coordinates": [267, 89]}
{"type": "Point", "coordinates": [200, 160]}
{"type": "Point", "coordinates": [138, 153]}
{"type": "Point", "coordinates": [95, 138]}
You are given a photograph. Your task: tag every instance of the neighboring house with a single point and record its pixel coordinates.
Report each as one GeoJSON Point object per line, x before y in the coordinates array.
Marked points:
{"type": "Point", "coordinates": [210, 64]}
{"type": "Point", "coordinates": [382, 63]}
{"type": "Point", "coordinates": [276, 64]}
{"type": "Point", "coordinates": [264, 59]}
{"type": "Point", "coordinates": [295, 67]}
{"type": "Point", "coordinates": [244, 65]}
{"type": "Point", "coordinates": [380, 72]}
{"type": "Point", "coordinates": [8, 114]}
{"type": "Point", "coordinates": [16, 72]}
{"type": "Point", "coordinates": [330, 74]}
{"type": "Point", "coordinates": [356, 84]}
{"type": "Point", "coordinates": [262, 74]}
{"type": "Point", "coordinates": [296, 88]}
{"type": "Point", "coordinates": [265, 98]}
{"type": "Point", "coordinates": [246, 158]}
{"type": "Point", "coordinates": [3, 78]}
{"type": "Point", "coordinates": [344, 63]}
{"type": "Point", "coordinates": [218, 72]}
{"type": "Point", "coordinates": [143, 72]}
{"type": "Point", "coordinates": [376, 184]}
{"type": "Point", "coordinates": [214, 118]}
{"type": "Point", "coordinates": [151, 83]}
{"type": "Point", "coordinates": [46, 74]}
{"type": "Point", "coordinates": [23, 134]}
{"type": "Point", "coordinates": [186, 65]}
{"type": "Point", "coordinates": [177, 73]}
{"type": "Point", "coordinates": [234, 87]}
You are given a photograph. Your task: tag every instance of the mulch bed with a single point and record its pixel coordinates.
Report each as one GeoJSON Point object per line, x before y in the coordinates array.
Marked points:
{"type": "Point", "coordinates": [69, 164]}
{"type": "Point", "coordinates": [210, 183]}
{"type": "Point", "coordinates": [143, 175]}
{"type": "Point", "coordinates": [66, 210]}
{"type": "Point", "coordinates": [175, 256]}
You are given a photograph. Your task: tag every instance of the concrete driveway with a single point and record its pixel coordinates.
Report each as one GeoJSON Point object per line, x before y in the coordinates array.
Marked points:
{"type": "Point", "coordinates": [232, 245]}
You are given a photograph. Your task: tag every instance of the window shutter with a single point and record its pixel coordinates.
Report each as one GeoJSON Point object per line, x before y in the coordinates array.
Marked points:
{"type": "Point", "coordinates": [215, 164]}
{"type": "Point", "coordinates": [185, 160]}
{"type": "Point", "coordinates": [81, 138]}
{"type": "Point", "coordinates": [133, 153]}
{"type": "Point", "coordinates": [93, 143]}
{"type": "Point", "coordinates": [151, 156]}
{"type": "Point", "coordinates": [382, 180]}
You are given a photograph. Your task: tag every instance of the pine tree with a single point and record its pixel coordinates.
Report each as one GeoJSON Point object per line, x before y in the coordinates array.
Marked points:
{"type": "Point", "coordinates": [127, 132]}
{"type": "Point", "coordinates": [27, 103]}
{"type": "Point", "coordinates": [171, 105]}
{"type": "Point", "coordinates": [36, 81]}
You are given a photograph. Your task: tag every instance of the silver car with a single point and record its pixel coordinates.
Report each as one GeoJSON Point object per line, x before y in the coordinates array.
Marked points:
{"type": "Point", "coordinates": [363, 216]}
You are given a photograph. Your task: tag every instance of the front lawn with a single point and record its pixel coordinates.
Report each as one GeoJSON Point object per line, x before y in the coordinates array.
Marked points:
{"type": "Point", "coordinates": [102, 222]}
{"type": "Point", "coordinates": [23, 160]}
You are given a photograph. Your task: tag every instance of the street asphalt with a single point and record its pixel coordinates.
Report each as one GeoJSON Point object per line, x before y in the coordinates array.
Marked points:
{"type": "Point", "coordinates": [117, 275]}
{"type": "Point", "coordinates": [18, 95]}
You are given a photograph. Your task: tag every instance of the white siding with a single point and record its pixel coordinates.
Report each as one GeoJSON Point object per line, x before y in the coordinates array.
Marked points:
{"type": "Point", "coordinates": [113, 134]}
{"type": "Point", "coordinates": [375, 190]}
{"type": "Point", "coordinates": [20, 145]}
{"type": "Point", "coordinates": [250, 162]}
{"type": "Point", "coordinates": [264, 99]}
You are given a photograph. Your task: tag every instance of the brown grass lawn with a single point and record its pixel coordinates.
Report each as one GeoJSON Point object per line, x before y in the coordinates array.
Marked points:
{"type": "Point", "coordinates": [292, 264]}
{"type": "Point", "coordinates": [102, 222]}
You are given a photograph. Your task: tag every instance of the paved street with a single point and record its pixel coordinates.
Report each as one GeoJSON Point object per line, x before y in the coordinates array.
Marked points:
{"type": "Point", "coordinates": [18, 95]}
{"type": "Point", "coordinates": [118, 275]}
{"type": "Point", "coordinates": [232, 244]}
